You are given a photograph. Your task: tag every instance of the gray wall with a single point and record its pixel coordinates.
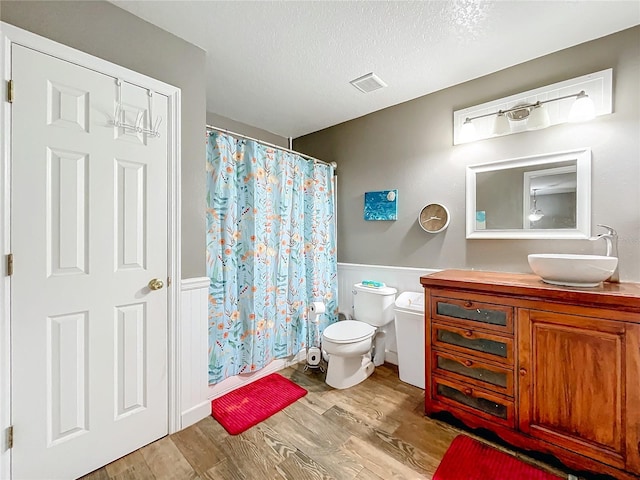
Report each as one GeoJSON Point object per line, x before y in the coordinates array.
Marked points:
{"type": "Point", "coordinates": [559, 210]}
{"type": "Point", "coordinates": [106, 31]}
{"type": "Point", "coordinates": [409, 147]}
{"type": "Point", "coordinates": [219, 121]}
{"type": "Point", "coordinates": [492, 191]}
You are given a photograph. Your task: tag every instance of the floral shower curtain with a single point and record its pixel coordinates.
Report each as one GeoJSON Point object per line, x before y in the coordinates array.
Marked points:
{"type": "Point", "coordinates": [271, 250]}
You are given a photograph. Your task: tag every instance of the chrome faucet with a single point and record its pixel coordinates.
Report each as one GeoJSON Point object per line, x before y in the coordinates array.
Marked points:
{"type": "Point", "coordinates": [611, 239]}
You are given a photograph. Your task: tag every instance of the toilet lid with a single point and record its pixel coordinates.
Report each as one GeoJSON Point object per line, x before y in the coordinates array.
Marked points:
{"type": "Point", "coordinates": [348, 331]}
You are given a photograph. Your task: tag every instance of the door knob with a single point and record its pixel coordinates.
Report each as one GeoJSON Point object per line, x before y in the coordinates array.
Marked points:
{"type": "Point", "coordinates": [155, 284]}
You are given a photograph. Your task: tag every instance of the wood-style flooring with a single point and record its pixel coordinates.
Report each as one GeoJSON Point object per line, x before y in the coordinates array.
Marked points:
{"type": "Point", "coordinates": [373, 431]}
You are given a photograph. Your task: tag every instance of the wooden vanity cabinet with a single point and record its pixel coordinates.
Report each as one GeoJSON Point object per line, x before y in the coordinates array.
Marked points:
{"type": "Point", "coordinates": [472, 356]}
{"type": "Point", "coordinates": [552, 369]}
{"type": "Point", "coordinates": [572, 386]}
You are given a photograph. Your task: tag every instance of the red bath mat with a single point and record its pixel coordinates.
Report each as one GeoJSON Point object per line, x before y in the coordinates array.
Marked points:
{"type": "Point", "coordinates": [247, 406]}
{"type": "Point", "coordinates": [468, 459]}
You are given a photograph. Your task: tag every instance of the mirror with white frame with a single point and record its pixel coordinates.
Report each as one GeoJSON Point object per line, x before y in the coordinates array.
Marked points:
{"type": "Point", "coordinates": [543, 196]}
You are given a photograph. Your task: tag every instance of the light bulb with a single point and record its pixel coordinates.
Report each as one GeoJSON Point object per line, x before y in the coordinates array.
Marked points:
{"type": "Point", "coordinates": [468, 131]}
{"type": "Point", "coordinates": [535, 215]}
{"type": "Point", "coordinates": [501, 124]}
{"type": "Point", "coordinates": [538, 118]}
{"type": "Point", "coordinates": [582, 109]}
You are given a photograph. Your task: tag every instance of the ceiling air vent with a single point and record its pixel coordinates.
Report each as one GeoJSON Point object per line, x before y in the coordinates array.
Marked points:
{"type": "Point", "coordinates": [368, 83]}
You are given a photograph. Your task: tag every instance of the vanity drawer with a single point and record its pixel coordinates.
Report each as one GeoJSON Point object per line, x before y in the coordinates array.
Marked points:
{"type": "Point", "coordinates": [474, 400]}
{"type": "Point", "coordinates": [467, 312]}
{"type": "Point", "coordinates": [474, 372]}
{"type": "Point", "coordinates": [472, 342]}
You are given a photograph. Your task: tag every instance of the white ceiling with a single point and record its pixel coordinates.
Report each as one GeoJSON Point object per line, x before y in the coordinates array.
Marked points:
{"type": "Point", "coordinates": [285, 66]}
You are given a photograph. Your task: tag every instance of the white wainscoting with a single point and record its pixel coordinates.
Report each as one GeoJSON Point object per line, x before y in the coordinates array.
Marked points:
{"type": "Point", "coordinates": [402, 278]}
{"type": "Point", "coordinates": [194, 337]}
{"type": "Point", "coordinates": [197, 394]}
{"type": "Point", "coordinates": [231, 383]}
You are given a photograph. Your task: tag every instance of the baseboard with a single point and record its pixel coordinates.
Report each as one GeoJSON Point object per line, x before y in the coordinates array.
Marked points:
{"type": "Point", "coordinates": [231, 383]}
{"type": "Point", "coordinates": [195, 414]}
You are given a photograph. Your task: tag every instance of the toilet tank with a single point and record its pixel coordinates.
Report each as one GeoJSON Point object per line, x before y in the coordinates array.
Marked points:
{"type": "Point", "coordinates": [373, 305]}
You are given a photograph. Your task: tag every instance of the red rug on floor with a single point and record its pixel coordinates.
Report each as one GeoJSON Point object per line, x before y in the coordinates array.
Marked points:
{"type": "Point", "coordinates": [468, 459]}
{"type": "Point", "coordinates": [249, 405]}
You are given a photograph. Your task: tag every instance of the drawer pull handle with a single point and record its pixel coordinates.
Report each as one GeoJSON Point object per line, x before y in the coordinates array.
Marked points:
{"type": "Point", "coordinates": [468, 363]}
{"type": "Point", "coordinates": [467, 392]}
{"type": "Point", "coordinates": [468, 333]}
{"type": "Point", "coordinates": [523, 372]}
{"type": "Point", "coordinates": [468, 304]}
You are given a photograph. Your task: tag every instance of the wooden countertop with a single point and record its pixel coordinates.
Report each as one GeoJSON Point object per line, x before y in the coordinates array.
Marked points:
{"type": "Point", "coordinates": [624, 296]}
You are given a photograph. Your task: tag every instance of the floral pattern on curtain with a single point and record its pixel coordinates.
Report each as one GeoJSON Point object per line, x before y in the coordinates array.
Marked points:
{"type": "Point", "coordinates": [271, 250]}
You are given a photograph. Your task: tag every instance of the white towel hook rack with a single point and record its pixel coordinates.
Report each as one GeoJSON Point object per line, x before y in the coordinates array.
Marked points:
{"type": "Point", "coordinates": [119, 119]}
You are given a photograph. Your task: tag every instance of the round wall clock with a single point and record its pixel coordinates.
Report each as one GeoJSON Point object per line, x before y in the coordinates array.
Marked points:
{"type": "Point", "coordinates": [434, 218]}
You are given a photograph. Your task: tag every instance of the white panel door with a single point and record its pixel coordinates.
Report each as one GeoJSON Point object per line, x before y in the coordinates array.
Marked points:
{"type": "Point", "coordinates": [89, 231]}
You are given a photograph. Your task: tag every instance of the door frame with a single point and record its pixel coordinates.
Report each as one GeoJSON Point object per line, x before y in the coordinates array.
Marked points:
{"type": "Point", "coordinates": [9, 35]}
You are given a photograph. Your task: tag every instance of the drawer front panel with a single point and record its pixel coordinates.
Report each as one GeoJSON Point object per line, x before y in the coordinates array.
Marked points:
{"type": "Point", "coordinates": [471, 371]}
{"type": "Point", "coordinates": [479, 344]}
{"type": "Point", "coordinates": [488, 316]}
{"type": "Point", "coordinates": [476, 401]}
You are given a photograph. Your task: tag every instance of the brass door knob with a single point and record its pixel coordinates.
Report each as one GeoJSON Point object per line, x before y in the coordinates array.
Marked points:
{"type": "Point", "coordinates": [155, 284]}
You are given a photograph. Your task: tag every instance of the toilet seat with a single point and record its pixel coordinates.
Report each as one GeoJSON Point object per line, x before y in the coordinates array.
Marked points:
{"type": "Point", "coordinates": [348, 331]}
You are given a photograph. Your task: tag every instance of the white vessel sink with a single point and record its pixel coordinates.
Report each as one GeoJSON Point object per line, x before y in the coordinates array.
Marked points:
{"type": "Point", "coordinates": [572, 270]}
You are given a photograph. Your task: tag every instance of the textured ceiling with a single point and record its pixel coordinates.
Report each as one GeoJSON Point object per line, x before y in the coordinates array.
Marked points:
{"type": "Point", "coordinates": [285, 66]}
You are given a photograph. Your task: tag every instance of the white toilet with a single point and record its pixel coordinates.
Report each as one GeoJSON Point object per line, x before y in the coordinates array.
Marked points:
{"type": "Point", "coordinates": [349, 342]}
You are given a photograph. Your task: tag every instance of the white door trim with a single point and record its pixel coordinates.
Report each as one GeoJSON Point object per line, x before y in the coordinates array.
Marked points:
{"type": "Point", "coordinates": [9, 35]}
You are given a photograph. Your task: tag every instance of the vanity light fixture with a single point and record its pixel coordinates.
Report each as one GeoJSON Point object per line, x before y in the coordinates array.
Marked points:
{"type": "Point", "coordinates": [573, 100]}
{"type": "Point", "coordinates": [581, 110]}
{"type": "Point", "coordinates": [536, 214]}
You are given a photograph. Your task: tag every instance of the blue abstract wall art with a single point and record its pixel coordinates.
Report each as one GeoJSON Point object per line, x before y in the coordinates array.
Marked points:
{"type": "Point", "coordinates": [382, 205]}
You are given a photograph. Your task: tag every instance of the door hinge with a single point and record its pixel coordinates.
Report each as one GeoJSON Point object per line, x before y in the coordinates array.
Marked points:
{"type": "Point", "coordinates": [10, 91]}
{"type": "Point", "coordinates": [10, 437]}
{"type": "Point", "coordinates": [10, 264]}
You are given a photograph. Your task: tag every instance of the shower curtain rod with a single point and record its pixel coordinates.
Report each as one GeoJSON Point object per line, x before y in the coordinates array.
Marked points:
{"type": "Point", "coordinates": [316, 160]}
